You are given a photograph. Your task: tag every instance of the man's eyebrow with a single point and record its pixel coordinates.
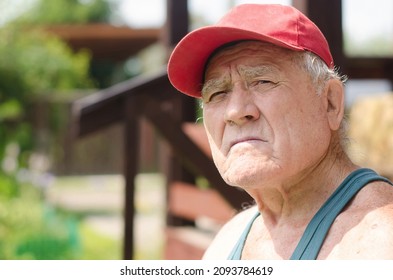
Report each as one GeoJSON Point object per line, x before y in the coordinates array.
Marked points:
{"type": "Point", "coordinates": [250, 72]}
{"type": "Point", "coordinates": [214, 84]}
{"type": "Point", "coordinates": [247, 72]}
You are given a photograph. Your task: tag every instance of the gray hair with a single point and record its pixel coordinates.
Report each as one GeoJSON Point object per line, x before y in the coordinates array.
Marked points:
{"type": "Point", "coordinates": [317, 69]}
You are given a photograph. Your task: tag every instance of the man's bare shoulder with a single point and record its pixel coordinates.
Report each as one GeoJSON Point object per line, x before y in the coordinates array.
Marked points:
{"type": "Point", "coordinates": [228, 235]}
{"type": "Point", "coordinates": [371, 237]}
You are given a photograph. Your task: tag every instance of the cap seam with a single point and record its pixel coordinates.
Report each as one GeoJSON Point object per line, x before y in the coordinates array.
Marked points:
{"type": "Point", "coordinates": [297, 32]}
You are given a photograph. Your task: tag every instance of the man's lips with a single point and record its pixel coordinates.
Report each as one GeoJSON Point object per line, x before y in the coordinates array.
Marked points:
{"type": "Point", "coordinates": [245, 140]}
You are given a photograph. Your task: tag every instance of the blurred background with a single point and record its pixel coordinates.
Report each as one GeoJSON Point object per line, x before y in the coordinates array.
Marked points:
{"type": "Point", "coordinates": [68, 67]}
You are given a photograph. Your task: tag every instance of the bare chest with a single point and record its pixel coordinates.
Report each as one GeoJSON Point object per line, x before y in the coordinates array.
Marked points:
{"type": "Point", "coordinates": [271, 244]}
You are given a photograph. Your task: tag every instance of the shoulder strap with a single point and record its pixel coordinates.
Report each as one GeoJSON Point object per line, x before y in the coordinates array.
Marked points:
{"type": "Point", "coordinates": [236, 253]}
{"type": "Point", "coordinates": [315, 233]}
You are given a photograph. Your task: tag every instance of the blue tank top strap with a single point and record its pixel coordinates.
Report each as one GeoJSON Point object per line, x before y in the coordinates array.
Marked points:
{"type": "Point", "coordinates": [236, 253]}
{"type": "Point", "coordinates": [315, 233]}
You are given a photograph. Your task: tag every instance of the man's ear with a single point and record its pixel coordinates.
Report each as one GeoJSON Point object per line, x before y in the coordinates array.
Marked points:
{"type": "Point", "coordinates": [335, 106]}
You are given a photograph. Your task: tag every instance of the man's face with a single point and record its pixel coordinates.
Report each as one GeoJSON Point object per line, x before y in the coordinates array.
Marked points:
{"type": "Point", "coordinates": [265, 123]}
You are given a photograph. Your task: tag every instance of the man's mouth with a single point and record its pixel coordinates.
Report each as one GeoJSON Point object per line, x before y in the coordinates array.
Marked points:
{"type": "Point", "coordinates": [245, 140]}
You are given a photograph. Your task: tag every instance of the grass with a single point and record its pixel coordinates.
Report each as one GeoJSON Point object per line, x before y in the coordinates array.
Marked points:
{"type": "Point", "coordinates": [96, 246]}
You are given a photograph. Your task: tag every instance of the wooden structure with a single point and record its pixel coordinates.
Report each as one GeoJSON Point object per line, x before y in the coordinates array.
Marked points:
{"type": "Point", "coordinates": [154, 99]}
{"type": "Point", "coordinates": [105, 41]}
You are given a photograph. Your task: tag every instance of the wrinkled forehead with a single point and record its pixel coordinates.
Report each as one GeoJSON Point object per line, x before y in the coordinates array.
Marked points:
{"type": "Point", "coordinates": [250, 52]}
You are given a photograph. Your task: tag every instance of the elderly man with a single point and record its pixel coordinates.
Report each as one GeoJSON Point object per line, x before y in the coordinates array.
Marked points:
{"type": "Point", "coordinates": [273, 108]}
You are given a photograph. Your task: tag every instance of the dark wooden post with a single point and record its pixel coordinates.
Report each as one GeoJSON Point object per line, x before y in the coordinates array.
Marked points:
{"type": "Point", "coordinates": [183, 107]}
{"type": "Point", "coordinates": [177, 22]}
{"type": "Point", "coordinates": [131, 168]}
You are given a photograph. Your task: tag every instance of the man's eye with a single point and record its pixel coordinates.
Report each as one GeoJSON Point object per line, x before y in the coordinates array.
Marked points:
{"type": "Point", "coordinates": [216, 96]}
{"type": "Point", "coordinates": [262, 82]}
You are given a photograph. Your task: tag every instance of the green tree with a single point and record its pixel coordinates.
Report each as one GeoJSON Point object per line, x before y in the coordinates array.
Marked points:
{"type": "Point", "coordinates": [67, 11]}
{"type": "Point", "coordinates": [33, 64]}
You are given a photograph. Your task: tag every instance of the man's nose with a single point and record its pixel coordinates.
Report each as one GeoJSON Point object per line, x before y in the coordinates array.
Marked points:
{"type": "Point", "coordinates": [241, 107]}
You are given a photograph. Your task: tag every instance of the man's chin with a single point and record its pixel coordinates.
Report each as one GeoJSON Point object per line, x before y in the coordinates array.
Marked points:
{"type": "Point", "coordinates": [241, 178]}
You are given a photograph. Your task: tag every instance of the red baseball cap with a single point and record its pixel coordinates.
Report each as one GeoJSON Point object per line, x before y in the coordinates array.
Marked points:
{"type": "Point", "coordinates": [280, 25]}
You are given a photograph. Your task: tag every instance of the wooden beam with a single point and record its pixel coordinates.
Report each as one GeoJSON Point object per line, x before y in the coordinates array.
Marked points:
{"type": "Point", "coordinates": [185, 201]}
{"type": "Point", "coordinates": [369, 68]}
{"type": "Point", "coordinates": [102, 109]}
{"type": "Point", "coordinates": [105, 41]}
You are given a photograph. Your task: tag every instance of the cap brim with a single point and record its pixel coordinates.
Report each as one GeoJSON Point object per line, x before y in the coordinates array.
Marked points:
{"type": "Point", "coordinates": [188, 59]}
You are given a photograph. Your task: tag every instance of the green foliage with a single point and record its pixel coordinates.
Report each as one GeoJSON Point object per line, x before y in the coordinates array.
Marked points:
{"type": "Point", "coordinates": [10, 109]}
{"type": "Point", "coordinates": [9, 187]}
{"type": "Point", "coordinates": [31, 229]}
{"type": "Point", "coordinates": [34, 62]}
{"type": "Point", "coordinates": [67, 11]}
{"type": "Point", "coordinates": [98, 247]}
{"type": "Point", "coordinates": [25, 232]}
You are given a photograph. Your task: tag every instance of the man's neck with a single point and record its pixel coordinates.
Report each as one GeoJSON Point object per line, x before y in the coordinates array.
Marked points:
{"type": "Point", "coordinates": [297, 200]}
